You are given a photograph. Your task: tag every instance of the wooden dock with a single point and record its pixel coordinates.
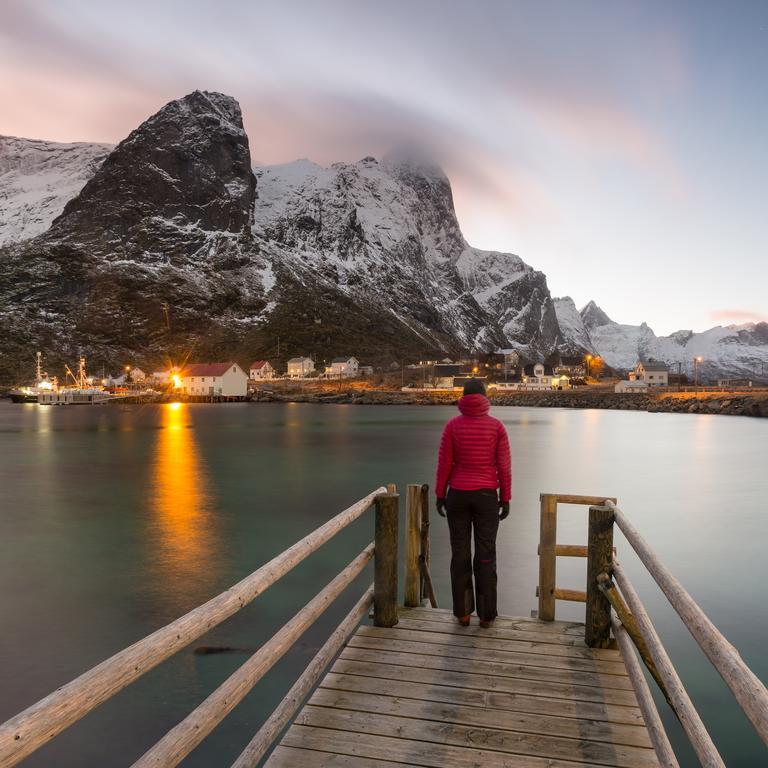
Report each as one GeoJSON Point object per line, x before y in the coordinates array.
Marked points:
{"type": "Point", "coordinates": [428, 692]}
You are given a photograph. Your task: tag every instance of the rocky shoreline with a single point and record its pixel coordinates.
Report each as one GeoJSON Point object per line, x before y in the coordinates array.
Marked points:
{"type": "Point", "coordinates": [733, 404]}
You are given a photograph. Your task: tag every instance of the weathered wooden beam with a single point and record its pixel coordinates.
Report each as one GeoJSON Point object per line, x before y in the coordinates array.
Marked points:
{"type": "Point", "coordinates": [412, 596]}
{"type": "Point", "coordinates": [597, 629]}
{"type": "Point", "coordinates": [689, 718]}
{"type": "Point", "coordinates": [570, 595]}
{"type": "Point", "coordinates": [423, 588]}
{"type": "Point", "coordinates": [608, 588]}
{"type": "Point", "coordinates": [426, 577]}
{"type": "Point", "coordinates": [570, 550]}
{"type": "Point", "coordinates": [182, 739]}
{"type": "Point", "coordinates": [38, 724]}
{"type": "Point", "coordinates": [656, 731]}
{"type": "Point", "coordinates": [570, 498]}
{"type": "Point", "coordinates": [547, 559]}
{"type": "Point", "coordinates": [750, 693]}
{"type": "Point", "coordinates": [287, 708]}
{"type": "Point", "coordinates": [385, 567]}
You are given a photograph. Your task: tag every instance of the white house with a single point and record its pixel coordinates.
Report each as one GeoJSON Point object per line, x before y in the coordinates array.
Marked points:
{"type": "Point", "coordinates": [213, 380]}
{"type": "Point", "coordinates": [653, 373]}
{"type": "Point", "coordinates": [538, 376]}
{"type": "Point", "coordinates": [300, 367]}
{"type": "Point", "coordinates": [161, 377]}
{"type": "Point", "coordinates": [631, 386]}
{"type": "Point", "coordinates": [365, 370]}
{"type": "Point", "coordinates": [261, 369]}
{"type": "Point", "coordinates": [342, 367]}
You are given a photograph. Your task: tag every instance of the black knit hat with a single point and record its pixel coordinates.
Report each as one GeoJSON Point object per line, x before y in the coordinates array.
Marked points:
{"type": "Point", "coordinates": [474, 387]}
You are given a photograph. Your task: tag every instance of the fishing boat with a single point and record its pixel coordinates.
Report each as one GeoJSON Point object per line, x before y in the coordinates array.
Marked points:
{"type": "Point", "coordinates": [42, 385]}
{"type": "Point", "coordinates": [82, 393]}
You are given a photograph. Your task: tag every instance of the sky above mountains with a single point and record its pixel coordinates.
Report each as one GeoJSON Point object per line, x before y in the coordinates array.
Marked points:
{"type": "Point", "coordinates": [619, 147]}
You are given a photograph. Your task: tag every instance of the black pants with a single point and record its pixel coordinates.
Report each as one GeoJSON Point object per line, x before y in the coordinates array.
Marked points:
{"type": "Point", "coordinates": [478, 511]}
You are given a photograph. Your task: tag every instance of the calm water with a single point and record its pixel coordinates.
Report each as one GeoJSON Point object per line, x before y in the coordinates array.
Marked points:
{"type": "Point", "coordinates": [118, 519]}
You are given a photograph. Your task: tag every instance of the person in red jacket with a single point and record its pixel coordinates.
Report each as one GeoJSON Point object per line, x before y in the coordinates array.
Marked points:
{"type": "Point", "coordinates": [474, 483]}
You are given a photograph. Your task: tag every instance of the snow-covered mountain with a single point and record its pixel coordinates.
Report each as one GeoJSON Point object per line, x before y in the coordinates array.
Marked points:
{"type": "Point", "coordinates": [37, 178]}
{"type": "Point", "coordinates": [169, 244]}
{"type": "Point", "coordinates": [739, 351]}
{"type": "Point", "coordinates": [386, 235]}
{"type": "Point", "coordinates": [169, 248]}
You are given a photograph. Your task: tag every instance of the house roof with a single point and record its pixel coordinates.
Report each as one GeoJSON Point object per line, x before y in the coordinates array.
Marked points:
{"type": "Point", "coordinates": [256, 364]}
{"type": "Point", "coordinates": [207, 369]}
{"type": "Point", "coordinates": [654, 366]}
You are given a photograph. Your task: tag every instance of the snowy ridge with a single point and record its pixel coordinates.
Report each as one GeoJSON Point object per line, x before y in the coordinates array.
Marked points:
{"type": "Point", "coordinates": [738, 351]}
{"type": "Point", "coordinates": [37, 178]}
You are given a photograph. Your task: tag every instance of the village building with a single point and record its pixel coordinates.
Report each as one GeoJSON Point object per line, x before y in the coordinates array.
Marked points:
{"type": "Point", "coordinates": [213, 380]}
{"type": "Point", "coordinates": [261, 370]}
{"type": "Point", "coordinates": [538, 375]}
{"type": "Point", "coordinates": [136, 374]}
{"type": "Point", "coordinates": [365, 370]}
{"type": "Point", "coordinates": [734, 383]}
{"type": "Point", "coordinates": [342, 368]}
{"type": "Point", "coordinates": [634, 385]}
{"type": "Point", "coordinates": [161, 377]}
{"type": "Point", "coordinates": [300, 367]}
{"type": "Point", "coordinates": [444, 374]}
{"type": "Point", "coordinates": [653, 373]}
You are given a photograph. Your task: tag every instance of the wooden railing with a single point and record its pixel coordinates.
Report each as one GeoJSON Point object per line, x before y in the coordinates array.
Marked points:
{"type": "Point", "coordinates": [37, 725]}
{"type": "Point", "coordinates": [632, 623]}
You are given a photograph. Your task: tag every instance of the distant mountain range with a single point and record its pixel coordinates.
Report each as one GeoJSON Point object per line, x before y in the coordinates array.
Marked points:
{"type": "Point", "coordinates": [169, 245]}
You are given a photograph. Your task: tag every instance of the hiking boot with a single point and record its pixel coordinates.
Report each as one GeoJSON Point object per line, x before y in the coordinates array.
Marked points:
{"type": "Point", "coordinates": [463, 621]}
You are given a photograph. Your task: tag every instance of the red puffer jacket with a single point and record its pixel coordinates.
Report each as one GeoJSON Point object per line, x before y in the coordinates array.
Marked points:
{"type": "Point", "coordinates": [474, 451]}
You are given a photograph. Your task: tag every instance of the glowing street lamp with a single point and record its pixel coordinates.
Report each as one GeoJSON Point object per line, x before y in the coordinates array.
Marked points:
{"type": "Point", "coordinates": [589, 360]}
{"type": "Point", "coordinates": [697, 361]}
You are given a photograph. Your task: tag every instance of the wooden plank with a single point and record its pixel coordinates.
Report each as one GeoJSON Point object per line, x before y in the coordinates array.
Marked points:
{"type": "Point", "coordinates": [747, 688]}
{"type": "Point", "coordinates": [655, 728]}
{"type": "Point", "coordinates": [38, 724]}
{"type": "Point", "coordinates": [522, 623]}
{"type": "Point", "coordinates": [483, 640]}
{"type": "Point", "coordinates": [486, 699]}
{"type": "Point", "coordinates": [259, 745]}
{"type": "Point", "coordinates": [684, 708]}
{"type": "Point", "coordinates": [486, 667]}
{"type": "Point", "coordinates": [493, 739]}
{"type": "Point", "coordinates": [571, 595]}
{"type": "Point", "coordinates": [547, 661]}
{"type": "Point", "coordinates": [539, 639]}
{"type": "Point", "coordinates": [183, 738]}
{"type": "Point", "coordinates": [547, 559]}
{"type": "Point", "coordinates": [411, 596]}
{"type": "Point", "coordinates": [484, 682]}
{"type": "Point", "coordinates": [573, 498]}
{"type": "Point", "coordinates": [291, 757]}
{"type": "Point", "coordinates": [570, 550]}
{"type": "Point", "coordinates": [410, 752]}
{"type": "Point", "coordinates": [630, 735]}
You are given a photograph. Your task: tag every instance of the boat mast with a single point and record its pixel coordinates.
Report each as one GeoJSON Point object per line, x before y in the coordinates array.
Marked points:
{"type": "Point", "coordinates": [39, 375]}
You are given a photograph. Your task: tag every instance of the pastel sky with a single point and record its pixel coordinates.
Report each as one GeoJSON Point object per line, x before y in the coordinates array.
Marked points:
{"type": "Point", "coordinates": [620, 147]}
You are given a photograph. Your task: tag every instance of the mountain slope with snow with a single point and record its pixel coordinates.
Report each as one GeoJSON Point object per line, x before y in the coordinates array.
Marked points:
{"type": "Point", "coordinates": [37, 179]}
{"type": "Point", "coordinates": [737, 351]}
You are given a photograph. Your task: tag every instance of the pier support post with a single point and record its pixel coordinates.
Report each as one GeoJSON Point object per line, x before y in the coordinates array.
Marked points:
{"type": "Point", "coordinates": [597, 632]}
{"type": "Point", "coordinates": [412, 597]}
{"type": "Point", "coordinates": [547, 557]}
{"type": "Point", "coordinates": [385, 560]}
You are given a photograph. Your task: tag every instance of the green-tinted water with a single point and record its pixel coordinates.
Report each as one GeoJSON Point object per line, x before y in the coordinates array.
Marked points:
{"type": "Point", "coordinates": [116, 520]}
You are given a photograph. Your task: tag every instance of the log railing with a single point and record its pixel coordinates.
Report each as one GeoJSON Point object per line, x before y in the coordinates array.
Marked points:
{"type": "Point", "coordinates": [37, 725]}
{"type": "Point", "coordinates": [631, 624]}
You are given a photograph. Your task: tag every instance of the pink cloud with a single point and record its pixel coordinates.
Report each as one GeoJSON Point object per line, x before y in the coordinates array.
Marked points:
{"type": "Point", "coordinates": [738, 316]}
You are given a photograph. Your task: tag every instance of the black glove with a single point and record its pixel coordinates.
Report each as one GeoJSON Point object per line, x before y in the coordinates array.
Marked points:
{"type": "Point", "coordinates": [503, 510]}
{"type": "Point", "coordinates": [441, 507]}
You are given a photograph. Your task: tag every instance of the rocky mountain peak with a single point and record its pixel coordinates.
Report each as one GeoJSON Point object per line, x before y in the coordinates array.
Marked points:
{"type": "Point", "coordinates": [188, 167]}
{"type": "Point", "coordinates": [593, 316]}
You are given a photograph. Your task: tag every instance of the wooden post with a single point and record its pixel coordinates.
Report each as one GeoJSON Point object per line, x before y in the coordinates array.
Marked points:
{"type": "Point", "coordinates": [547, 539]}
{"type": "Point", "coordinates": [412, 598]}
{"type": "Point", "coordinates": [424, 556]}
{"type": "Point", "coordinates": [385, 564]}
{"type": "Point", "coordinates": [599, 556]}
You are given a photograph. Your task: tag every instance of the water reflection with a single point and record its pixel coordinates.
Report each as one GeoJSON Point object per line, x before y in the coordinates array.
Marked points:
{"type": "Point", "coordinates": [183, 527]}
